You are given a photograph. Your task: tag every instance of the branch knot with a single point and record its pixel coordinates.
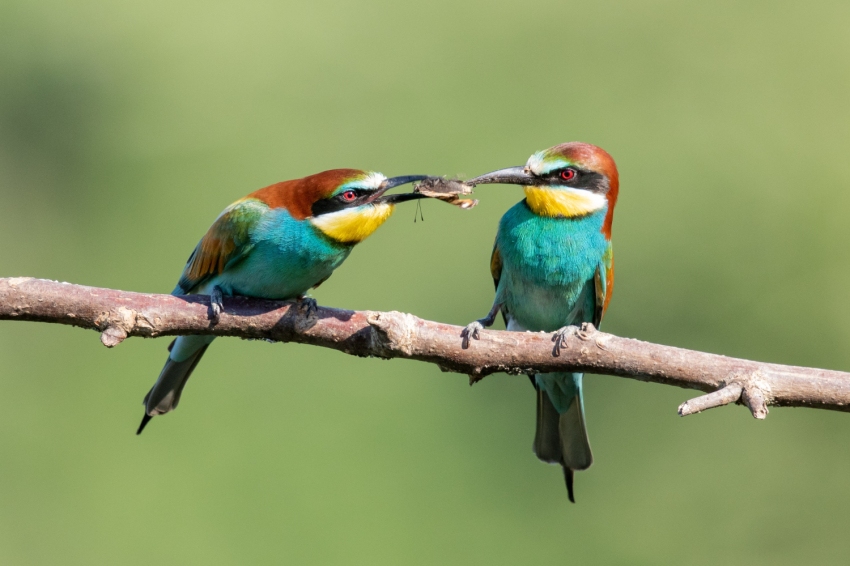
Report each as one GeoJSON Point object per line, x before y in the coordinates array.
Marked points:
{"type": "Point", "coordinates": [757, 395]}
{"type": "Point", "coordinates": [116, 325]}
{"type": "Point", "coordinates": [395, 331]}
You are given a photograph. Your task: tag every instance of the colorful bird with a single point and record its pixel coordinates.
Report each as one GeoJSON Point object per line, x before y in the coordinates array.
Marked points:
{"type": "Point", "coordinates": [553, 267]}
{"type": "Point", "coordinates": [275, 243]}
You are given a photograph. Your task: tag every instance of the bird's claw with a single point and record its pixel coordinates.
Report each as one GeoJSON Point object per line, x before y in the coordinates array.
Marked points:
{"type": "Point", "coordinates": [560, 338]}
{"type": "Point", "coordinates": [472, 330]}
{"type": "Point", "coordinates": [216, 304]}
{"type": "Point", "coordinates": [308, 305]}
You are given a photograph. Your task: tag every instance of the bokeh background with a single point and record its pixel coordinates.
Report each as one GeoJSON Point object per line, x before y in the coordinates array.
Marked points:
{"type": "Point", "coordinates": [126, 127]}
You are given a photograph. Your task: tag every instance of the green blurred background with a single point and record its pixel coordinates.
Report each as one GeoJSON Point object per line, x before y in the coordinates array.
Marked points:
{"type": "Point", "coordinates": [126, 127]}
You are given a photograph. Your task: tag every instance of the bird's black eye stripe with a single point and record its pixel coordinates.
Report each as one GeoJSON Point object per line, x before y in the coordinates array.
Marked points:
{"type": "Point", "coordinates": [582, 179]}
{"type": "Point", "coordinates": [339, 201]}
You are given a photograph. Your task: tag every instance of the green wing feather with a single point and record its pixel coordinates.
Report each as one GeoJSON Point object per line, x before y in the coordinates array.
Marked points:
{"type": "Point", "coordinates": [604, 283]}
{"type": "Point", "coordinates": [496, 272]}
{"type": "Point", "coordinates": [226, 243]}
{"type": "Point", "coordinates": [496, 264]}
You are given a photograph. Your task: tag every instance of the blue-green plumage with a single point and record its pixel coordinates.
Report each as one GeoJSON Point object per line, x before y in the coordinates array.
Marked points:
{"type": "Point", "coordinates": [553, 268]}
{"type": "Point", "coordinates": [546, 264]}
{"type": "Point", "coordinates": [280, 258]}
{"type": "Point", "coordinates": [276, 243]}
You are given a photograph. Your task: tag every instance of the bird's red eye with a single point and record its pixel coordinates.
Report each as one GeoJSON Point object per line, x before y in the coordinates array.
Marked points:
{"type": "Point", "coordinates": [568, 174]}
{"type": "Point", "coordinates": [349, 195]}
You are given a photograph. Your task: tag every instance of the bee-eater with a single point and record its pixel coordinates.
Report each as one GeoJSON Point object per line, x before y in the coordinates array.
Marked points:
{"type": "Point", "coordinates": [553, 267]}
{"type": "Point", "coordinates": [276, 243]}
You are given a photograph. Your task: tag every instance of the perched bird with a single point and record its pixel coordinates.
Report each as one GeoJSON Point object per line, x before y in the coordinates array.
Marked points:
{"type": "Point", "coordinates": [553, 267]}
{"type": "Point", "coordinates": [275, 243]}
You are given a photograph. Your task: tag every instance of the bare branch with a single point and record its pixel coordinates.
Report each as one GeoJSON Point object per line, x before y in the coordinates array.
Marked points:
{"type": "Point", "coordinates": [120, 314]}
{"type": "Point", "coordinates": [729, 394]}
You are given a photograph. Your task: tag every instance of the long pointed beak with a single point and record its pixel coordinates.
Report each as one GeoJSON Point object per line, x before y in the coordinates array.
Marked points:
{"type": "Point", "coordinates": [393, 182]}
{"type": "Point", "coordinates": [403, 180]}
{"type": "Point", "coordinates": [509, 176]}
{"type": "Point", "coordinates": [401, 197]}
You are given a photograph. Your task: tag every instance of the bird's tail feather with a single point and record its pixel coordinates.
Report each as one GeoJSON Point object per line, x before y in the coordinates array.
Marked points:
{"type": "Point", "coordinates": [561, 436]}
{"type": "Point", "coordinates": [547, 439]}
{"type": "Point", "coordinates": [164, 396]}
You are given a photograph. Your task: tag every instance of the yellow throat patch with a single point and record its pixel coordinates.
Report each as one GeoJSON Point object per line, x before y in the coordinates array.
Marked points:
{"type": "Point", "coordinates": [353, 225]}
{"type": "Point", "coordinates": [565, 202]}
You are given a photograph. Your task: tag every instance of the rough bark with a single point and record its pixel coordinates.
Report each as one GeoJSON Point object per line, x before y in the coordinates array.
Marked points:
{"type": "Point", "coordinates": [120, 314]}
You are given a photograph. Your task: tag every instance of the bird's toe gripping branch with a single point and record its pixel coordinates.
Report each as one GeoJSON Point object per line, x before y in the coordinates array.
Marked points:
{"type": "Point", "coordinates": [216, 304]}
{"type": "Point", "coordinates": [560, 338]}
{"type": "Point", "coordinates": [308, 306]}
{"type": "Point", "coordinates": [584, 332]}
{"type": "Point", "coordinates": [471, 330]}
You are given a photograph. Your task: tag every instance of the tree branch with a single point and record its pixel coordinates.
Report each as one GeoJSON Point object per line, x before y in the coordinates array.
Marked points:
{"type": "Point", "coordinates": [119, 314]}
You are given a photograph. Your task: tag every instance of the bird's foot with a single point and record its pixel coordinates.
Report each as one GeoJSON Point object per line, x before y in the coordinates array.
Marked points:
{"type": "Point", "coordinates": [560, 338]}
{"type": "Point", "coordinates": [308, 305]}
{"type": "Point", "coordinates": [216, 304]}
{"type": "Point", "coordinates": [586, 330]}
{"type": "Point", "coordinates": [472, 330]}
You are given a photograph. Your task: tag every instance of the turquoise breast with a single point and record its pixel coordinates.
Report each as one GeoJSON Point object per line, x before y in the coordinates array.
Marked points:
{"type": "Point", "coordinates": [287, 258]}
{"type": "Point", "coordinates": [548, 265]}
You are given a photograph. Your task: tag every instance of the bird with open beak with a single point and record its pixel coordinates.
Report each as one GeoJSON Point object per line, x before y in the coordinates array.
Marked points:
{"type": "Point", "coordinates": [276, 243]}
{"type": "Point", "coordinates": [553, 267]}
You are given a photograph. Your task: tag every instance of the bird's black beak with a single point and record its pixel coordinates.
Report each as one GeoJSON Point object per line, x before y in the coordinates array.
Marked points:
{"type": "Point", "coordinates": [402, 197]}
{"type": "Point", "coordinates": [509, 176]}
{"type": "Point", "coordinates": [403, 180]}
{"type": "Point", "coordinates": [392, 182]}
